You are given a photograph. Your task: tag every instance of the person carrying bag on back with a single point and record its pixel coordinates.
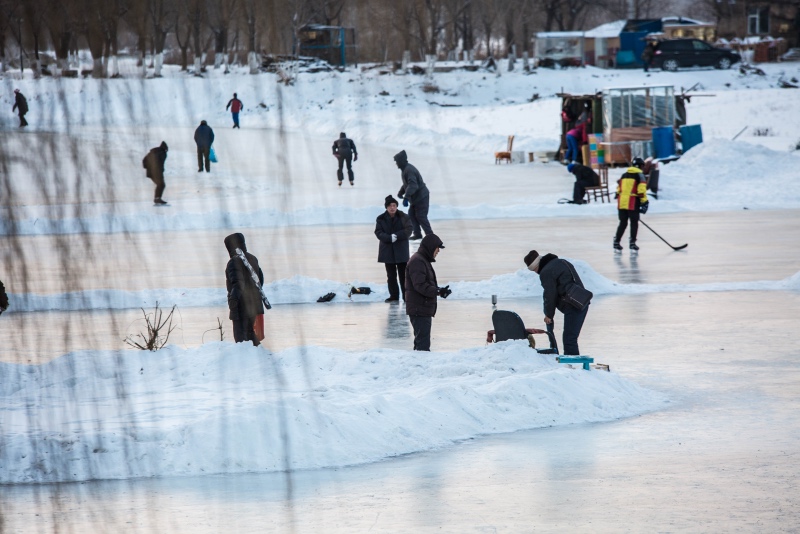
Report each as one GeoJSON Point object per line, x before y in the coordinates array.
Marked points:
{"type": "Point", "coordinates": [563, 290]}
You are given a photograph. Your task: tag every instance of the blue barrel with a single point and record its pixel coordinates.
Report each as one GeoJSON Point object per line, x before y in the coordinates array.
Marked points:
{"type": "Point", "coordinates": [691, 135]}
{"type": "Point", "coordinates": [663, 142]}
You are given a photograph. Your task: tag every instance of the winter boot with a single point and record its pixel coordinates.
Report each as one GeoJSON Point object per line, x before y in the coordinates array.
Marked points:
{"type": "Point", "coordinates": [340, 183]}
{"type": "Point", "coordinates": [158, 201]}
{"type": "Point", "coordinates": [632, 245]}
{"type": "Point", "coordinates": [352, 183]}
{"type": "Point", "coordinates": [617, 246]}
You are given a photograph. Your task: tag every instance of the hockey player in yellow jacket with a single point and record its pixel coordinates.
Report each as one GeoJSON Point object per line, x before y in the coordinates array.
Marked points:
{"type": "Point", "coordinates": [631, 200]}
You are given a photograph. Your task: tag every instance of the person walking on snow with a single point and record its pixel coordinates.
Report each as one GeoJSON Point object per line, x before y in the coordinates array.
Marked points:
{"type": "Point", "coordinates": [393, 228]}
{"type": "Point", "coordinates": [21, 106]}
{"type": "Point", "coordinates": [153, 162]}
{"type": "Point", "coordinates": [3, 298]}
{"type": "Point", "coordinates": [204, 138]}
{"type": "Point", "coordinates": [415, 192]}
{"type": "Point", "coordinates": [422, 290]}
{"type": "Point", "coordinates": [235, 106]}
{"type": "Point", "coordinates": [244, 297]}
{"type": "Point", "coordinates": [631, 198]}
{"type": "Point", "coordinates": [345, 151]}
{"type": "Point", "coordinates": [556, 276]}
{"type": "Point", "coordinates": [584, 177]}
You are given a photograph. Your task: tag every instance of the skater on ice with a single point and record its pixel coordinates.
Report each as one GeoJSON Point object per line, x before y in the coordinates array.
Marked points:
{"type": "Point", "coordinates": [414, 192]}
{"type": "Point", "coordinates": [235, 106]}
{"type": "Point", "coordinates": [631, 200]}
{"type": "Point", "coordinates": [154, 163]}
{"type": "Point", "coordinates": [422, 290]}
{"type": "Point", "coordinates": [556, 276]}
{"type": "Point", "coordinates": [345, 151]}
{"type": "Point", "coordinates": [245, 301]}
{"type": "Point", "coordinates": [584, 177]}
{"type": "Point", "coordinates": [393, 228]}
{"type": "Point", "coordinates": [21, 107]}
{"type": "Point", "coordinates": [204, 138]}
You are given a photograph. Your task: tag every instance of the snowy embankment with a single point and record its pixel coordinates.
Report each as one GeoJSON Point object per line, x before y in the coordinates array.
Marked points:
{"type": "Point", "coordinates": [226, 408]}
{"type": "Point", "coordinates": [302, 290]}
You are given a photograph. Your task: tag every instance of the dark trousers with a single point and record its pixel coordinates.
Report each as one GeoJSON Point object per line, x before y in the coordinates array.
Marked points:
{"type": "Point", "coordinates": [243, 330]}
{"type": "Point", "coordinates": [235, 120]}
{"type": "Point", "coordinates": [22, 121]}
{"type": "Point", "coordinates": [158, 179]}
{"type": "Point", "coordinates": [342, 161]}
{"type": "Point", "coordinates": [204, 156]}
{"type": "Point", "coordinates": [422, 332]}
{"type": "Point", "coordinates": [624, 215]}
{"type": "Point", "coordinates": [396, 272]}
{"type": "Point", "coordinates": [418, 213]}
{"type": "Point", "coordinates": [573, 322]}
{"type": "Point", "coordinates": [579, 189]}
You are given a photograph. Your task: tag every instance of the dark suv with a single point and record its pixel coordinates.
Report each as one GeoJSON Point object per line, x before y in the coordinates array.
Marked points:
{"type": "Point", "coordinates": [675, 53]}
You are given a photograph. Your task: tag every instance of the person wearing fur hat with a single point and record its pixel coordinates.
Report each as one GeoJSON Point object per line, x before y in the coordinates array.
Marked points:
{"type": "Point", "coordinates": [153, 162]}
{"type": "Point", "coordinates": [345, 151]}
{"type": "Point", "coordinates": [422, 290]}
{"type": "Point", "coordinates": [556, 276]}
{"type": "Point", "coordinates": [416, 193]}
{"type": "Point", "coordinates": [244, 297]}
{"type": "Point", "coordinates": [393, 228]}
{"type": "Point", "coordinates": [21, 107]}
{"type": "Point", "coordinates": [584, 177]}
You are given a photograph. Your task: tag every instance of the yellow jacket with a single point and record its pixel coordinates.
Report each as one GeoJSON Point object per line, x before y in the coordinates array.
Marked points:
{"type": "Point", "coordinates": [630, 186]}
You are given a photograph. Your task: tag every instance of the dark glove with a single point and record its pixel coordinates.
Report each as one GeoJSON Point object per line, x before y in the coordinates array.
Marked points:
{"type": "Point", "coordinates": [643, 207]}
{"type": "Point", "coordinates": [444, 292]}
{"type": "Point", "coordinates": [355, 158]}
{"type": "Point", "coordinates": [405, 202]}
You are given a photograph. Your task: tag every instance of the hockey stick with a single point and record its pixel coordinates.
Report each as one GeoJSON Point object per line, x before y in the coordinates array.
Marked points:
{"type": "Point", "coordinates": [253, 274]}
{"type": "Point", "coordinates": [662, 239]}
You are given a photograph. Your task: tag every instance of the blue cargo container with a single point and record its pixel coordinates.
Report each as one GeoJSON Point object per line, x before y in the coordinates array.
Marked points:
{"type": "Point", "coordinates": [691, 135]}
{"type": "Point", "coordinates": [663, 142]}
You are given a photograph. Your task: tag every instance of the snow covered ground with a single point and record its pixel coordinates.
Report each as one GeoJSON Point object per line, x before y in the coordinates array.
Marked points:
{"type": "Point", "coordinates": [77, 209]}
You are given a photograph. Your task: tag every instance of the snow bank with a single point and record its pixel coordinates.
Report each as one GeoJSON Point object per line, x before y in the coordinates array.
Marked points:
{"type": "Point", "coordinates": [226, 408]}
{"type": "Point", "coordinates": [303, 289]}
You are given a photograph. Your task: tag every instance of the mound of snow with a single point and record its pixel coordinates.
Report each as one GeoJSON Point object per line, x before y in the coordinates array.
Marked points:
{"type": "Point", "coordinates": [227, 408]}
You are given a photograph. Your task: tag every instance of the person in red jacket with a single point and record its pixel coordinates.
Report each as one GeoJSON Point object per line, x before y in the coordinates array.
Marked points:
{"type": "Point", "coordinates": [631, 200]}
{"type": "Point", "coordinates": [236, 106]}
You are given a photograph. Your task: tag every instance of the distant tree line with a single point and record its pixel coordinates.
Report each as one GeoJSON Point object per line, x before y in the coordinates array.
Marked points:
{"type": "Point", "coordinates": [222, 31]}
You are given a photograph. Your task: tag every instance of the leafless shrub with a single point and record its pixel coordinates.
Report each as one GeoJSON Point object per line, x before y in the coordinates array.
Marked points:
{"type": "Point", "coordinates": [154, 339]}
{"type": "Point", "coordinates": [763, 132]}
{"type": "Point", "coordinates": [430, 88]}
{"type": "Point", "coordinates": [219, 327]}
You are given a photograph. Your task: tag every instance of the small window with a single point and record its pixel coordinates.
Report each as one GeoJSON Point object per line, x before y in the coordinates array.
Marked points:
{"type": "Point", "coordinates": [700, 46]}
{"type": "Point", "coordinates": [758, 20]}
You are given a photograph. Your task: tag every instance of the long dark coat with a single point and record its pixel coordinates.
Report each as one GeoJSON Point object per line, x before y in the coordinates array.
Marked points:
{"type": "Point", "coordinates": [244, 297]}
{"type": "Point", "coordinates": [154, 161]}
{"type": "Point", "coordinates": [385, 226]}
{"type": "Point", "coordinates": [421, 286]}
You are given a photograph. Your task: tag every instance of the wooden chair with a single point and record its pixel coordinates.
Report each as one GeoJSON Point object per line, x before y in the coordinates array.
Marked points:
{"type": "Point", "coordinates": [600, 190]}
{"type": "Point", "coordinates": [499, 156]}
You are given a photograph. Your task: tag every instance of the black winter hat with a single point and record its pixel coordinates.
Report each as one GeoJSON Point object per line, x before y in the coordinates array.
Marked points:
{"type": "Point", "coordinates": [234, 241]}
{"type": "Point", "coordinates": [530, 257]}
{"type": "Point", "coordinates": [401, 157]}
{"type": "Point", "coordinates": [164, 145]}
{"type": "Point", "coordinates": [390, 200]}
{"type": "Point", "coordinates": [342, 135]}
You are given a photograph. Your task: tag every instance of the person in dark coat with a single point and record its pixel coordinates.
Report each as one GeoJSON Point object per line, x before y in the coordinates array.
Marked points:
{"type": "Point", "coordinates": [584, 177]}
{"type": "Point", "coordinates": [345, 151]}
{"type": "Point", "coordinates": [235, 106]}
{"type": "Point", "coordinates": [204, 138]}
{"type": "Point", "coordinates": [416, 193]}
{"type": "Point", "coordinates": [648, 54]}
{"type": "Point", "coordinates": [556, 275]}
{"type": "Point", "coordinates": [244, 297]}
{"type": "Point", "coordinates": [154, 163]}
{"type": "Point", "coordinates": [3, 298]}
{"type": "Point", "coordinates": [21, 107]}
{"type": "Point", "coordinates": [393, 228]}
{"type": "Point", "coordinates": [422, 290]}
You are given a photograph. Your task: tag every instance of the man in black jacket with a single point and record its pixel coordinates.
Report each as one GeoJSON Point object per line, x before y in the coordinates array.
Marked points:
{"type": "Point", "coordinates": [584, 177]}
{"type": "Point", "coordinates": [393, 228]}
{"type": "Point", "coordinates": [3, 298]}
{"type": "Point", "coordinates": [556, 275]}
{"type": "Point", "coordinates": [21, 106]}
{"type": "Point", "coordinates": [416, 192]}
{"type": "Point", "coordinates": [154, 163]}
{"type": "Point", "coordinates": [204, 138]}
{"type": "Point", "coordinates": [422, 290]}
{"type": "Point", "coordinates": [345, 151]}
{"type": "Point", "coordinates": [244, 296]}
